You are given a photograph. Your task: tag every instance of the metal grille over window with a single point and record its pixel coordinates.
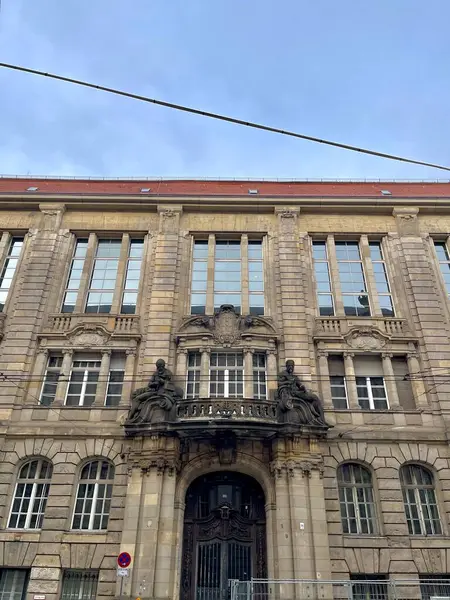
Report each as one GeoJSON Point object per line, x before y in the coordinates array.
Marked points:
{"type": "Point", "coordinates": [259, 376]}
{"type": "Point", "coordinates": [13, 584]}
{"type": "Point", "coordinates": [94, 494]}
{"type": "Point", "coordinates": [381, 280]}
{"type": "Point", "coordinates": [369, 587]}
{"type": "Point", "coordinates": [193, 375]}
{"type": "Point", "coordinates": [132, 277]}
{"type": "Point", "coordinates": [227, 274]}
{"type": "Point", "coordinates": [419, 497]}
{"type": "Point", "coordinates": [83, 382]}
{"type": "Point", "coordinates": [51, 378]}
{"type": "Point", "coordinates": [30, 495]}
{"type": "Point", "coordinates": [79, 585]}
{"type": "Point", "coordinates": [356, 499]}
{"type": "Point", "coordinates": [255, 277]}
{"type": "Point", "coordinates": [226, 375]}
{"type": "Point", "coordinates": [353, 282]}
{"type": "Point", "coordinates": [323, 280]}
{"type": "Point", "coordinates": [444, 262]}
{"type": "Point", "coordinates": [104, 275]}
{"type": "Point", "coordinates": [434, 586]}
{"type": "Point", "coordinates": [9, 269]}
{"type": "Point", "coordinates": [74, 280]}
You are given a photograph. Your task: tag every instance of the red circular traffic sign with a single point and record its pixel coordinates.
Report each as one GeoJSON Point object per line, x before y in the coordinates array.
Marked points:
{"type": "Point", "coordinates": [124, 560]}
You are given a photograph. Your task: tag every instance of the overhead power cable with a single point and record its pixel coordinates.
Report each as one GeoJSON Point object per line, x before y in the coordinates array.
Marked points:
{"type": "Point", "coordinates": [220, 117]}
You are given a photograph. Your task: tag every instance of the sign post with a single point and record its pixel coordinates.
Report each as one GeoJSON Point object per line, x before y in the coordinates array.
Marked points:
{"type": "Point", "coordinates": [123, 562]}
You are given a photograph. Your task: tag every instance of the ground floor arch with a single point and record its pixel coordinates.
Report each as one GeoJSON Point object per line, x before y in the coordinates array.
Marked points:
{"type": "Point", "coordinates": [224, 534]}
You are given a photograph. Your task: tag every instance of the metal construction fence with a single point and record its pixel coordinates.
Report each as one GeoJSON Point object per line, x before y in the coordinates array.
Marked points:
{"type": "Point", "coordinates": [349, 589]}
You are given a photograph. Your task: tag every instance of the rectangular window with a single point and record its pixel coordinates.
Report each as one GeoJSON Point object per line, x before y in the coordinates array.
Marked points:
{"type": "Point", "coordinates": [83, 382]}
{"type": "Point", "coordinates": [370, 385]}
{"type": "Point", "coordinates": [13, 584]}
{"type": "Point", "coordinates": [132, 277]}
{"type": "Point", "coordinates": [226, 375]}
{"type": "Point", "coordinates": [230, 267]}
{"type": "Point", "coordinates": [227, 274]}
{"type": "Point", "coordinates": [51, 379]}
{"type": "Point", "coordinates": [353, 282]}
{"type": "Point", "coordinates": [79, 585]}
{"type": "Point", "coordinates": [444, 262]}
{"type": "Point", "coordinates": [323, 280]}
{"type": "Point", "coordinates": [104, 275]}
{"type": "Point", "coordinates": [115, 380]}
{"type": "Point", "coordinates": [259, 376]}
{"type": "Point", "coordinates": [74, 279]}
{"type": "Point", "coordinates": [193, 375]}
{"type": "Point", "coordinates": [199, 277]}
{"type": "Point", "coordinates": [381, 280]}
{"type": "Point", "coordinates": [434, 586]}
{"type": "Point", "coordinates": [369, 587]}
{"type": "Point", "coordinates": [337, 381]}
{"type": "Point", "coordinates": [255, 277]}
{"type": "Point", "coordinates": [9, 269]}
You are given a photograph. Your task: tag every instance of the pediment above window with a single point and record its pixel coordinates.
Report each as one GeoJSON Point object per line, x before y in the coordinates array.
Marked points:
{"type": "Point", "coordinates": [226, 328]}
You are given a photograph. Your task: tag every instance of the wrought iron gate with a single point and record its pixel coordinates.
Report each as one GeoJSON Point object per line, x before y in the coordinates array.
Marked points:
{"type": "Point", "coordinates": [224, 536]}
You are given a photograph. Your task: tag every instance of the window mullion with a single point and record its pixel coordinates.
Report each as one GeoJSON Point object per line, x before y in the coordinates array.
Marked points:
{"type": "Point", "coordinates": [245, 275]}
{"type": "Point", "coordinates": [355, 504]}
{"type": "Point", "coordinates": [83, 388]}
{"type": "Point", "coordinates": [369, 393]}
{"type": "Point", "coordinates": [369, 276]}
{"type": "Point", "coordinates": [419, 509]}
{"type": "Point", "coordinates": [94, 504]}
{"type": "Point", "coordinates": [86, 274]}
{"type": "Point", "coordinates": [31, 505]}
{"type": "Point", "coordinates": [226, 381]}
{"type": "Point", "coordinates": [121, 272]}
{"type": "Point", "coordinates": [335, 279]}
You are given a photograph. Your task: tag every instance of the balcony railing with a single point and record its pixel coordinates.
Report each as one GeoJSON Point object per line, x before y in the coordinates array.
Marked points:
{"type": "Point", "coordinates": [339, 326]}
{"type": "Point", "coordinates": [118, 324]}
{"type": "Point", "coordinates": [219, 408]}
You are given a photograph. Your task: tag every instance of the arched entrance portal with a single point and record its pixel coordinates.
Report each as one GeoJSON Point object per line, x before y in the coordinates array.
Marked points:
{"type": "Point", "coordinates": [224, 535]}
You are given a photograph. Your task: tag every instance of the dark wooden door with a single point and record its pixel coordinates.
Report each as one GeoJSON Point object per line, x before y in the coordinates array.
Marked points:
{"type": "Point", "coordinates": [224, 535]}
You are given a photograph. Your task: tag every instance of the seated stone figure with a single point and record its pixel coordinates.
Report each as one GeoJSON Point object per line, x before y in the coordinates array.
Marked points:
{"type": "Point", "coordinates": [153, 402]}
{"type": "Point", "coordinates": [297, 404]}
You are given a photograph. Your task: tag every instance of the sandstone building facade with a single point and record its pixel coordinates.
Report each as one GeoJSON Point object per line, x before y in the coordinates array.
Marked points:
{"type": "Point", "coordinates": [100, 279]}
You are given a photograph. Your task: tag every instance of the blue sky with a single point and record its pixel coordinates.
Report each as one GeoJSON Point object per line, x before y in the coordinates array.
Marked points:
{"type": "Point", "coordinates": [373, 74]}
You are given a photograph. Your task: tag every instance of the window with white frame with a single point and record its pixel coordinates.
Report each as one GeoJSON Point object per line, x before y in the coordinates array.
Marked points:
{"type": "Point", "coordinates": [370, 384]}
{"type": "Point", "coordinates": [74, 279]}
{"type": "Point", "coordinates": [13, 583]}
{"type": "Point", "coordinates": [353, 282]}
{"type": "Point", "coordinates": [30, 495]}
{"type": "Point", "coordinates": [79, 584]}
{"type": "Point", "coordinates": [51, 380]}
{"type": "Point", "coordinates": [337, 381]}
{"type": "Point", "coordinates": [9, 269]}
{"type": "Point", "coordinates": [226, 375]}
{"type": "Point", "coordinates": [323, 279]}
{"type": "Point", "coordinates": [103, 280]}
{"type": "Point", "coordinates": [356, 499]}
{"type": "Point", "coordinates": [94, 493]}
{"type": "Point", "coordinates": [444, 262]}
{"type": "Point", "coordinates": [259, 376]}
{"type": "Point", "coordinates": [231, 263]}
{"type": "Point", "coordinates": [194, 361]}
{"type": "Point", "coordinates": [381, 280]}
{"type": "Point", "coordinates": [419, 497]}
{"type": "Point", "coordinates": [116, 378]}
{"type": "Point", "coordinates": [83, 382]}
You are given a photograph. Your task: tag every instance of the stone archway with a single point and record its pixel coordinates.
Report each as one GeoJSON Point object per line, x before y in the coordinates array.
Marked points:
{"type": "Point", "coordinates": [224, 535]}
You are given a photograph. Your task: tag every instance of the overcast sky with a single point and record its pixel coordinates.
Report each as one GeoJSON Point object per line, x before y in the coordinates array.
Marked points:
{"type": "Point", "coordinates": [369, 73]}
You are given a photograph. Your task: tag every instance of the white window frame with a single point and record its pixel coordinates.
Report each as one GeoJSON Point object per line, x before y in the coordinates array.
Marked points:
{"type": "Point", "coordinates": [119, 396]}
{"type": "Point", "coordinates": [258, 370]}
{"type": "Point", "coordinates": [366, 291]}
{"type": "Point", "coordinates": [346, 392]}
{"type": "Point", "coordinates": [197, 370]}
{"type": "Point", "coordinates": [415, 487]}
{"type": "Point", "coordinates": [43, 500]}
{"type": "Point", "coordinates": [369, 390]}
{"type": "Point", "coordinates": [354, 486]}
{"type": "Point", "coordinates": [226, 381]}
{"type": "Point", "coordinates": [96, 483]}
{"type": "Point", "coordinates": [57, 370]}
{"type": "Point", "coordinates": [84, 382]}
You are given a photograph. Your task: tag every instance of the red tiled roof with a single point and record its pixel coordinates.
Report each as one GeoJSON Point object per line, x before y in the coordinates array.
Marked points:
{"type": "Point", "coordinates": [166, 187]}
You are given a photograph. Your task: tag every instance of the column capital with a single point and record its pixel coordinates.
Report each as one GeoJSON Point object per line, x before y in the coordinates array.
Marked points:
{"type": "Point", "coordinates": [68, 351]}
{"type": "Point", "coordinates": [205, 350]}
{"type": "Point", "coordinates": [106, 352]}
{"type": "Point", "coordinates": [248, 350]}
{"type": "Point", "coordinates": [322, 353]}
{"type": "Point", "coordinates": [131, 351]}
{"type": "Point", "coordinates": [271, 351]}
{"type": "Point", "coordinates": [386, 355]}
{"type": "Point", "coordinates": [348, 354]}
{"type": "Point", "coordinates": [42, 350]}
{"type": "Point", "coordinates": [182, 350]}
{"type": "Point", "coordinates": [413, 354]}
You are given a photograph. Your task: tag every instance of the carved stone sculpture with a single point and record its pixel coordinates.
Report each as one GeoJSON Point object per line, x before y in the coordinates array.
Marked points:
{"type": "Point", "coordinates": [154, 402]}
{"type": "Point", "coordinates": [296, 404]}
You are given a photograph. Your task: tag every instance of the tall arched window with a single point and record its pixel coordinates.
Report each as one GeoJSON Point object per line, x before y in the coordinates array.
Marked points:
{"type": "Point", "coordinates": [419, 496]}
{"type": "Point", "coordinates": [94, 493]}
{"type": "Point", "coordinates": [30, 495]}
{"type": "Point", "coordinates": [356, 499]}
